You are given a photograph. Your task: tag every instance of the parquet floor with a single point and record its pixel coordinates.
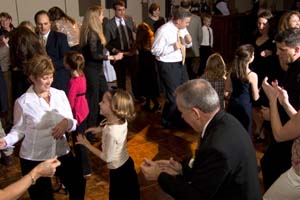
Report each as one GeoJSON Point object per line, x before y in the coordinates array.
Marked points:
{"type": "Point", "coordinates": [147, 138]}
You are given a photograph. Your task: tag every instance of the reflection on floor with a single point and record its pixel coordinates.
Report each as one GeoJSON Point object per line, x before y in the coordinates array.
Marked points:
{"type": "Point", "coordinates": [147, 138]}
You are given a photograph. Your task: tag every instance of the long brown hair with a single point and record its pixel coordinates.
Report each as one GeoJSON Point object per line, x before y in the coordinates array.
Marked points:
{"type": "Point", "coordinates": [24, 45]}
{"type": "Point", "coordinates": [55, 13]}
{"type": "Point", "coordinates": [144, 37]}
{"type": "Point", "coordinates": [243, 55]}
{"type": "Point", "coordinates": [215, 67]}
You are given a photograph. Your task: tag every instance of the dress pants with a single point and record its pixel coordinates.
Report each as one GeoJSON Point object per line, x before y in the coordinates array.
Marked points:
{"type": "Point", "coordinates": [69, 174]}
{"type": "Point", "coordinates": [128, 63]}
{"type": "Point", "coordinates": [171, 75]}
{"type": "Point", "coordinates": [81, 152]}
{"type": "Point", "coordinates": [96, 87]}
{"type": "Point", "coordinates": [276, 160]}
{"type": "Point", "coordinates": [205, 52]}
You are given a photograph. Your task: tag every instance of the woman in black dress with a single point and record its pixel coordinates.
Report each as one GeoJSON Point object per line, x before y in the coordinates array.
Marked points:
{"type": "Point", "coordinates": [148, 73]}
{"type": "Point", "coordinates": [154, 20]}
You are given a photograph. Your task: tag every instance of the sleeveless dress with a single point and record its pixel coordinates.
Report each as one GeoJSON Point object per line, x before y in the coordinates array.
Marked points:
{"type": "Point", "coordinates": [240, 105]}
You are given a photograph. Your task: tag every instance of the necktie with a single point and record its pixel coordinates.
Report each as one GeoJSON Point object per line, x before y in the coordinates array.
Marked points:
{"type": "Point", "coordinates": [123, 36]}
{"type": "Point", "coordinates": [43, 41]}
{"type": "Point", "coordinates": [182, 47]}
{"type": "Point", "coordinates": [209, 37]}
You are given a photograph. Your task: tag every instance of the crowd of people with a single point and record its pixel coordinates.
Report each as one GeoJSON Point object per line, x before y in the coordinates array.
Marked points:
{"type": "Point", "coordinates": [53, 88]}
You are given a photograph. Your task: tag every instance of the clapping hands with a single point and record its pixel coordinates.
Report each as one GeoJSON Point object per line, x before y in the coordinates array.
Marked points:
{"type": "Point", "coordinates": [152, 169]}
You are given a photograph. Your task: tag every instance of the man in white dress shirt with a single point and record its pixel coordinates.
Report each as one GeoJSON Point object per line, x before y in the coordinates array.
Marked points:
{"type": "Point", "coordinates": [193, 53]}
{"type": "Point", "coordinates": [169, 45]}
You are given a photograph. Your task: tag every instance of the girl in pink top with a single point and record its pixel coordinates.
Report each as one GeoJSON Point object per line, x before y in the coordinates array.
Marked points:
{"type": "Point", "coordinates": [74, 62]}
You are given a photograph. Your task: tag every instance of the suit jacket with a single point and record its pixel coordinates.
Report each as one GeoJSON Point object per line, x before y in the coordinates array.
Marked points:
{"type": "Point", "coordinates": [195, 29]}
{"type": "Point", "coordinates": [224, 166]}
{"type": "Point", "coordinates": [57, 45]}
{"type": "Point", "coordinates": [112, 35]}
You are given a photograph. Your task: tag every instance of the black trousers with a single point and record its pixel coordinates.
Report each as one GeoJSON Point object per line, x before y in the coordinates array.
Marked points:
{"type": "Point", "coordinates": [276, 160]}
{"type": "Point", "coordinates": [81, 152]}
{"type": "Point", "coordinates": [124, 182]}
{"type": "Point", "coordinates": [96, 87]}
{"type": "Point", "coordinates": [69, 174]}
{"type": "Point", "coordinates": [205, 52]}
{"type": "Point", "coordinates": [127, 64]}
{"type": "Point", "coordinates": [171, 75]}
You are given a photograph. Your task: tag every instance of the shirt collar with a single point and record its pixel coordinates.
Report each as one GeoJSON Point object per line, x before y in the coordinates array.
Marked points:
{"type": "Point", "coordinates": [117, 20]}
{"type": "Point", "coordinates": [31, 95]}
{"type": "Point", "coordinates": [46, 35]}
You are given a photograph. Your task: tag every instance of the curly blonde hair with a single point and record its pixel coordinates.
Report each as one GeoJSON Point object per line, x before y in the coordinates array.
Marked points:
{"type": "Point", "coordinates": [122, 104]}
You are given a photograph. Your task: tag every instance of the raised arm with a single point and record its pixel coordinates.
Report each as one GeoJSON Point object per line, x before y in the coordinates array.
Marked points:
{"type": "Point", "coordinates": [288, 131]}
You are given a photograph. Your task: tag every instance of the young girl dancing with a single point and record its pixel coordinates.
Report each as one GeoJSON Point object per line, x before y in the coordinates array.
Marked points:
{"type": "Point", "coordinates": [74, 62]}
{"type": "Point", "coordinates": [117, 107]}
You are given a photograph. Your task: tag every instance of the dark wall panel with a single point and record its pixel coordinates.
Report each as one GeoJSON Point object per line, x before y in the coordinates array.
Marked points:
{"type": "Point", "coordinates": [109, 3]}
{"type": "Point", "coordinates": [85, 4]}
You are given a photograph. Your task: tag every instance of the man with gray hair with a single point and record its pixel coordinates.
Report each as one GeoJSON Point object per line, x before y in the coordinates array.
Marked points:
{"type": "Point", "coordinates": [168, 47]}
{"type": "Point", "coordinates": [224, 165]}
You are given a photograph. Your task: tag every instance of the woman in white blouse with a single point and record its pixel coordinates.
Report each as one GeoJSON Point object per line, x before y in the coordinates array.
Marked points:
{"type": "Point", "coordinates": [42, 116]}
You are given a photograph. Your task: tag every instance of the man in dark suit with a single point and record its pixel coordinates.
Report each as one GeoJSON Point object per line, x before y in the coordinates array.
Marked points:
{"type": "Point", "coordinates": [56, 45]}
{"type": "Point", "coordinates": [224, 165]}
{"type": "Point", "coordinates": [119, 35]}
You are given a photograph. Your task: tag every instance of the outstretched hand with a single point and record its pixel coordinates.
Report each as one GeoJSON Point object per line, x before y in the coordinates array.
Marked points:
{"type": "Point", "coordinates": [3, 143]}
{"type": "Point", "coordinates": [46, 168]}
{"type": "Point", "coordinates": [170, 166]}
{"type": "Point", "coordinates": [283, 96]}
{"type": "Point", "coordinates": [81, 139]}
{"type": "Point", "coordinates": [150, 169]}
{"type": "Point", "coordinates": [271, 91]}
{"type": "Point", "coordinates": [59, 130]}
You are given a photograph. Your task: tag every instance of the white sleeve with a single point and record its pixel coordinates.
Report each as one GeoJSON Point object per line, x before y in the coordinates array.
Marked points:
{"type": "Point", "coordinates": [17, 131]}
{"type": "Point", "coordinates": [183, 33]}
{"type": "Point", "coordinates": [68, 112]}
{"type": "Point", "coordinates": [160, 46]}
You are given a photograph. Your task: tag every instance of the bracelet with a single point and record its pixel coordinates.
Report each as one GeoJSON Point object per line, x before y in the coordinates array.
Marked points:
{"type": "Point", "coordinates": [33, 181]}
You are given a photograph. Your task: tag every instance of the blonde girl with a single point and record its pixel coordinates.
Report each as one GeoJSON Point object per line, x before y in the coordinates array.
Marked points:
{"type": "Point", "coordinates": [117, 107]}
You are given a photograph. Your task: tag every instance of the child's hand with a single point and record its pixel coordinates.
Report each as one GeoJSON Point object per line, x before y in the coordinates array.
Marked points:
{"type": "Point", "coordinates": [81, 139]}
{"type": "Point", "coordinates": [94, 130]}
